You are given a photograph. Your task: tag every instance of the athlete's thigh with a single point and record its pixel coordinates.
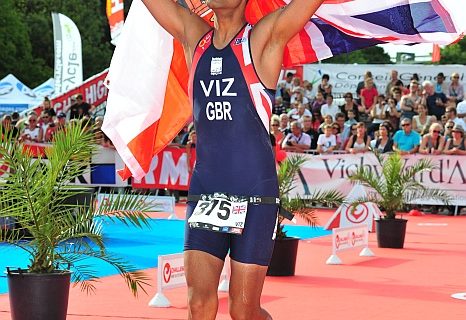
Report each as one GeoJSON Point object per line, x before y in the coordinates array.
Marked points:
{"type": "Point", "coordinates": [255, 245]}
{"type": "Point", "coordinates": [202, 272]}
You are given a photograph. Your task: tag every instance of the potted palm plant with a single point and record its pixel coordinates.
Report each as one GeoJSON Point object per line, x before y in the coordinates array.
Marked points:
{"type": "Point", "coordinates": [285, 251]}
{"type": "Point", "coordinates": [57, 230]}
{"type": "Point", "coordinates": [396, 188]}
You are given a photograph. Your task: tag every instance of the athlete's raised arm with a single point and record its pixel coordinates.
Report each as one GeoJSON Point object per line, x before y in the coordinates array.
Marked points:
{"type": "Point", "coordinates": [272, 32]}
{"type": "Point", "coordinates": [180, 22]}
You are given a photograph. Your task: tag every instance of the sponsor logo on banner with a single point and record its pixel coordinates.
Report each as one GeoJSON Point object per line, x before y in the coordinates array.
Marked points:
{"type": "Point", "coordinates": [171, 271]}
{"type": "Point", "coordinates": [68, 54]}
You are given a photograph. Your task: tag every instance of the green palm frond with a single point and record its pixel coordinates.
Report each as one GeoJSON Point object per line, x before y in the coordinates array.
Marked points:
{"type": "Point", "coordinates": [51, 224]}
{"type": "Point", "coordinates": [398, 185]}
{"type": "Point", "coordinates": [302, 207]}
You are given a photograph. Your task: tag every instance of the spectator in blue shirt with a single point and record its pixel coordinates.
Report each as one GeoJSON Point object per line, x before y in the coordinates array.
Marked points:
{"type": "Point", "coordinates": [406, 141]}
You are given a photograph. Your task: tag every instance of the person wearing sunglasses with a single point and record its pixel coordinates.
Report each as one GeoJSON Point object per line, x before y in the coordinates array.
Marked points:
{"type": "Point", "coordinates": [406, 141]}
{"type": "Point", "coordinates": [32, 132]}
{"type": "Point", "coordinates": [455, 89]}
{"type": "Point", "coordinates": [433, 142]}
{"type": "Point", "coordinates": [457, 144]}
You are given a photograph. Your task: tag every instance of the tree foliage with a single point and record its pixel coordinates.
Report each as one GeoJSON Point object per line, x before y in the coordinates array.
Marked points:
{"type": "Point", "coordinates": [371, 55]}
{"type": "Point", "coordinates": [454, 54]}
{"type": "Point", "coordinates": [26, 40]}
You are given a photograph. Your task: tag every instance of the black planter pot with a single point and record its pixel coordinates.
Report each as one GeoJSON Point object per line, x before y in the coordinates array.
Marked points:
{"type": "Point", "coordinates": [283, 260]}
{"type": "Point", "coordinates": [391, 233]}
{"type": "Point", "coordinates": [35, 296]}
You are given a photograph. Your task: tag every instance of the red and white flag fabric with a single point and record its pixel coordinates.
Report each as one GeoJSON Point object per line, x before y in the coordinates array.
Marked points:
{"type": "Point", "coordinates": [148, 98]}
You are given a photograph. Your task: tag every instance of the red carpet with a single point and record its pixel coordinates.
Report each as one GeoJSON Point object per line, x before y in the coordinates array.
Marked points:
{"type": "Point", "coordinates": [411, 283]}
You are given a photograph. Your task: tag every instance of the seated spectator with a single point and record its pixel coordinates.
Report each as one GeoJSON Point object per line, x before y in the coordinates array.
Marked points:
{"type": "Point", "coordinates": [450, 112]}
{"type": "Point", "coordinates": [298, 111]}
{"type": "Point", "coordinates": [325, 87]}
{"type": "Point", "coordinates": [98, 133]}
{"type": "Point", "coordinates": [456, 145]}
{"type": "Point", "coordinates": [327, 141]}
{"type": "Point", "coordinates": [275, 129]}
{"type": "Point", "coordinates": [460, 110]}
{"type": "Point", "coordinates": [309, 129]}
{"type": "Point", "coordinates": [284, 124]}
{"type": "Point", "coordinates": [360, 142]}
{"type": "Point", "coordinates": [32, 132]}
{"type": "Point", "coordinates": [348, 125]}
{"type": "Point", "coordinates": [307, 90]}
{"type": "Point", "coordinates": [8, 130]}
{"type": "Point", "coordinates": [297, 140]}
{"type": "Point", "coordinates": [410, 101]}
{"type": "Point", "coordinates": [455, 89]}
{"type": "Point", "coordinates": [433, 142]}
{"type": "Point", "coordinates": [336, 132]}
{"type": "Point", "coordinates": [298, 96]}
{"type": "Point", "coordinates": [328, 120]}
{"type": "Point", "coordinates": [46, 120]}
{"type": "Point", "coordinates": [329, 108]}
{"type": "Point", "coordinates": [316, 120]}
{"type": "Point", "coordinates": [422, 121]}
{"type": "Point", "coordinates": [405, 140]}
{"type": "Point", "coordinates": [369, 95]}
{"type": "Point", "coordinates": [435, 102]}
{"type": "Point", "coordinates": [384, 142]}
{"type": "Point", "coordinates": [447, 133]}
{"type": "Point", "coordinates": [278, 108]}
{"type": "Point", "coordinates": [349, 104]}
{"type": "Point", "coordinates": [378, 115]}
{"type": "Point", "coordinates": [319, 101]}
{"type": "Point", "coordinates": [440, 85]}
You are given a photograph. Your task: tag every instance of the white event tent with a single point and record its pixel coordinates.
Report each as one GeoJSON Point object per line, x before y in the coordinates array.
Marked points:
{"type": "Point", "coordinates": [16, 96]}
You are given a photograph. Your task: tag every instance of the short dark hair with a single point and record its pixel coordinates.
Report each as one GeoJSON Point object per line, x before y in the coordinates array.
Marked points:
{"type": "Point", "coordinates": [326, 76]}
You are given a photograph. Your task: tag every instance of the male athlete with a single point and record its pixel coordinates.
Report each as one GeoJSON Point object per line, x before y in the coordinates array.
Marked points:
{"type": "Point", "coordinates": [234, 69]}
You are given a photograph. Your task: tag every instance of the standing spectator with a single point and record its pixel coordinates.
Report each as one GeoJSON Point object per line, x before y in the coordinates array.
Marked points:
{"type": "Point", "coordinates": [440, 85]}
{"type": "Point", "coordinates": [406, 141]}
{"type": "Point", "coordinates": [435, 102]}
{"type": "Point", "coordinates": [319, 101]}
{"type": "Point", "coordinates": [336, 129]}
{"type": "Point", "coordinates": [422, 121]}
{"type": "Point", "coordinates": [393, 113]}
{"type": "Point", "coordinates": [329, 108]}
{"type": "Point", "coordinates": [297, 140]}
{"type": "Point", "coordinates": [384, 142]}
{"type": "Point", "coordinates": [47, 106]}
{"type": "Point", "coordinates": [278, 107]}
{"type": "Point", "coordinates": [456, 145]}
{"type": "Point", "coordinates": [349, 104]}
{"type": "Point", "coordinates": [191, 150]}
{"type": "Point", "coordinates": [410, 101]}
{"type": "Point", "coordinates": [285, 88]}
{"type": "Point", "coordinates": [325, 87]}
{"type": "Point", "coordinates": [391, 84]}
{"type": "Point", "coordinates": [455, 89]}
{"type": "Point", "coordinates": [433, 142]}
{"type": "Point", "coordinates": [360, 142]}
{"type": "Point", "coordinates": [275, 129]}
{"type": "Point", "coordinates": [368, 100]}
{"type": "Point", "coordinates": [316, 121]}
{"type": "Point", "coordinates": [32, 132]}
{"type": "Point", "coordinates": [328, 120]}
{"type": "Point", "coordinates": [327, 141]}
{"type": "Point", "coordinates": [14, 118]}
{"type": "Point", "coordinates": [450, 112]}
{"type": "Point", "coordinates": [348, 124]}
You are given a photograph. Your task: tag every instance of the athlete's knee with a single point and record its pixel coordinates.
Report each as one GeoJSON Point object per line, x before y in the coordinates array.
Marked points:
{"type": "Point", "coordinates": [240, 310]}
{"type": "Point", "coordinates": [202, 305]}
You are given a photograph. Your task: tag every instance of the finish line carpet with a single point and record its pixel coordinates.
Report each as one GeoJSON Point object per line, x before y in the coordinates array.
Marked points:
{"type": "Point", "coordinates": [411, 283]}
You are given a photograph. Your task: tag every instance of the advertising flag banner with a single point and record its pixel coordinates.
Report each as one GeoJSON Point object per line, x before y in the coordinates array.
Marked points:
{"type": "Point", "coordinates": [68, 71]}
{"type": "Point", "coordinates": [116, 16]}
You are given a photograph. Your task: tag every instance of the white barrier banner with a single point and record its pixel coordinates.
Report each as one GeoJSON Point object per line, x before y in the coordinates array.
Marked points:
{"type": "Point", "coordinates": [331, 172]}
{"type": "Point", "coordinates": [345, 77]}
{"type": "Point", "coordinates": [156, 203]}
{"type": "Point", "coordinates": [349, 238]}
{"type": "Point", "coordinates": [171, 272]}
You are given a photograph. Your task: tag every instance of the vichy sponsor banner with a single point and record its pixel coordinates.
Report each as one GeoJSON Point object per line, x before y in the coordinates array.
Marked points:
{"type": "Point", "coordinates": [115, 15]}
{"type": "Point", "coordinates": [331, 172]}
{"type": "Point", "coordinates": [68, 70]}
{"type": "Point", "coordinates": [345, 77]}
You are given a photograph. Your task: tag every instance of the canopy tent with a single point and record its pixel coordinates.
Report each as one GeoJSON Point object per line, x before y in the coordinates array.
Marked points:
{"type": "Point", "coordinates": [16, 96]}
{"type": "Point", "coordinates": [46, 89]}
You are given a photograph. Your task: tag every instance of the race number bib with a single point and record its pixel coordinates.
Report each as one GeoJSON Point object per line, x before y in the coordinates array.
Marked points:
{"type": "Point", "coordinates": [220, 212]}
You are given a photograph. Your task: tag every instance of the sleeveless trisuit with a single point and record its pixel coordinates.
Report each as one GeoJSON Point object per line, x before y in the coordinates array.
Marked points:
{"type": "Point", "coordinates": [232, 110]}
